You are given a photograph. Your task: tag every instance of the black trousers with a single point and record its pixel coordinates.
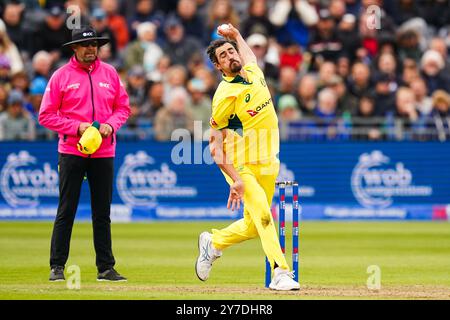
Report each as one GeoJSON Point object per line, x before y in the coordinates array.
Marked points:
{"type": "Point", "coordinates": [72, 170]}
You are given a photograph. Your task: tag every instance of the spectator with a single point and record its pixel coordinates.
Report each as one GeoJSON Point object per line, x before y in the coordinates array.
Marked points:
{"type": "Point", "coordinates": [326, 120]}
{"type": "Point", "coordinates": [366, 125]}
{"type": "Point", "coordinates": [327, 72]}
{"type": "Point", "coordinates": [161, 68]}
{"type": "Point", "coordinates": [439, 45]}
{"type": "Point", "coordinates": [441, 114]}
{"type": "Point", "coordinates": [424, 103]}
{"type": "Point", "coordinates": [325, 44]}
{"type": "Point", "coordinates": [5, 71]}
{"type": "Point", "coordinates": [343, 66]}
{"type": "Point", "coordinates": [105, 54]}
{"type": "Point", "coordinates": [291, 55]}
{"type": "Point", "coordinates": [153, 52]}
{"type": "Point", "coordinates": [100, 24]}
{"type": "Point", "coordinates": [259, 45]}
{"type": "Point", "coordinates": [326, 107]}
{"type": "Point", "coordinates": [408, 45]}
{"type": "Point", "coordinates": [441, 103]}
{"type": "Point", "coordinates": [132, 122]}
{"type": "Point", "coordinates": [145, 11]}
{"type": "Point", "coordinates": [346, 101]}
{"type": "Point", "coordinates": [410, 72]}
{"type": "Point", "coordinates": [388, 65]}
{"type": "Point", "coordinates": [306, 93]}
{"type": "Point", "coordinates": [384, 97]}
{"type": "Point", "coordinates": [359, 81]}
{"type": "Point", "coordinates": [406, 113]}
{"type": "Point", "coordinates": [116, 23]}
{"type": "Point", "coordinates": [432, 65]}
{"type": "Point", "coordinates": [175, 77]}
{"type": "Point", "coordinates": [258, 20]}
{"type": "Point", "coordinates": [20, 82]}
{"type": "Point", "coordinates": [388, 44]}
{"type": "Point", "coordinates": [15, 122]}
{"type": "Point", "coordinates": [144, 51]}
{"type": "Point", "coordinates": [288, 78]}
{"type": "Point", "coordinates": [9, 50]}
{"type": "Point", "coordinates": [337, 9]}
{"type": "Point", "coordinates": [51, 33]}
{"type": "Point", "coordinates": [37, 90]}
{"type": "Point", "coordinates": [192, 23]}
{"type": "Point", "coordinates": [195, 62]}
{"type": "Point", "coordinates": [179, 47]}
{"type": "Point", "coordinates": [200, 103]}
{"type": "Point", "coordinates": [13, 14]}
{"type": "Point", "coordinates": [288, 109]}
{"type": "Point", "coordinates": [208, 79]}
{"type": "Point", "coordinates": [41, 65]}
{"type": "Point", "coordinates": [137, 84]}
{"type": "Point", "coordinates": [293, 20]}
{"type": "Point", "coordinates": [347, 34]}
{"type": "Point", "coordinates": [220, 12]}
{"type": "Point", "coordinates": [176, 115]}
{"type": "Point", "coordinates": [154, 101]}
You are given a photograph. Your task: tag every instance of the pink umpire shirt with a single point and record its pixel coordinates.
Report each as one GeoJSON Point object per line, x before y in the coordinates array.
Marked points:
{"type": "Point", "coordinates": [77, 94]}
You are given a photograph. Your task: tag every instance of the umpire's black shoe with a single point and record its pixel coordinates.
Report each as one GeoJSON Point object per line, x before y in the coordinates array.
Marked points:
{"type": "Point", "coordinates": [110, 275]}
{"type": "Point", "coordinates": [57, 274]}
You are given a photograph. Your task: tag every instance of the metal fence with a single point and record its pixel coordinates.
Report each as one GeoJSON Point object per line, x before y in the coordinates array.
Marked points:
{"type": "Point", "coordinates": [367, 129]}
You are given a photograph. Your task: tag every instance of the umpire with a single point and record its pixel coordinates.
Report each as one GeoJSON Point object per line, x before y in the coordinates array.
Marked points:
{"type": "Point", "coordinates": [81, 92]}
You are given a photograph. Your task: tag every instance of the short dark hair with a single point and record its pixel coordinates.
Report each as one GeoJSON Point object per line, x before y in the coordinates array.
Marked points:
{"type": "Point", "coordinates": [211, 50]}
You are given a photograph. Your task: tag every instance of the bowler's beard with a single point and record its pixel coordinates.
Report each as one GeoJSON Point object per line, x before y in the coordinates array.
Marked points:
{"type": "Point", "coordinates": [235, 66]}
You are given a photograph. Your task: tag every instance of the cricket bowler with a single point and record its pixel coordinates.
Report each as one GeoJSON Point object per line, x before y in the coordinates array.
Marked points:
{"type": "Point", "coordinates": [244, 143]}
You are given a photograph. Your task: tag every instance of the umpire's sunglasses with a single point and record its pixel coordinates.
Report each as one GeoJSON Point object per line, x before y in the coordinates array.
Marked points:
{"type": "Point", "coordinates": [86, 44]}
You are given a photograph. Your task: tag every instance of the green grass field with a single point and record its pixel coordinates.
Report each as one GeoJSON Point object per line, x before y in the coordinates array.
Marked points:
{"type": "Point", "coordinates": [158, 259]}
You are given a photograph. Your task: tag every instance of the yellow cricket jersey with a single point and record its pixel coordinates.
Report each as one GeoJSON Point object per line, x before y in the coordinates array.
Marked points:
{"type": "Point", "coordinates": [246, 108]}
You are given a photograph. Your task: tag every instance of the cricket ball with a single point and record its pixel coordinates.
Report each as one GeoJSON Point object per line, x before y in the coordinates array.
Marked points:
{"type": "Point", "coordinates": [224, 27]}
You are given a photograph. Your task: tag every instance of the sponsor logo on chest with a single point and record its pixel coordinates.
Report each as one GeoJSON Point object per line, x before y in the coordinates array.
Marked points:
{"type": "Point", "coordinates": [73, 86]}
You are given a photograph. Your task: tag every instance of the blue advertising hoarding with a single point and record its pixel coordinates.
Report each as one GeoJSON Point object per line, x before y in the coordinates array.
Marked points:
{"type": "Point", "coordinates": [153, 180]}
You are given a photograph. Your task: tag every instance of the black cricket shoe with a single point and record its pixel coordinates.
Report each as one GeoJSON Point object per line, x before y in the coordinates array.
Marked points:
{"type": "Point", "coordinates": [110, 275]}
{"type": "Point", "coordinates": [57, 274]}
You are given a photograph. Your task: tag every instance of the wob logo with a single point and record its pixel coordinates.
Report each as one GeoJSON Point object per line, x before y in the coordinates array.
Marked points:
{"type": "Point", "coordinates": [23, 182]}
{"type": "Point", "coordinates": [375, 182]}
{"type": "Point", "coordinates": [141, 181]}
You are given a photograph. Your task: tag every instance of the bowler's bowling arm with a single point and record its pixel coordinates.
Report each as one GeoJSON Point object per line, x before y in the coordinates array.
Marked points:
{"type": "Point", "coordinates": [245, 52]}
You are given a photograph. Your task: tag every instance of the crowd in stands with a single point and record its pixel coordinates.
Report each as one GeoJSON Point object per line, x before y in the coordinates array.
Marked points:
{"type": "Point", "coordinates": [337, 69]}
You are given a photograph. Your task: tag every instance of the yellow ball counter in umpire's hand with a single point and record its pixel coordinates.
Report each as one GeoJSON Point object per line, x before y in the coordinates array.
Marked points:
{"type": "Point", "coordinates": [91, 139]}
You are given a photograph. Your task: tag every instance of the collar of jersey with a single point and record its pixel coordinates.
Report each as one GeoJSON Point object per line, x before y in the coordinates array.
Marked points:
{"type": "Point", "coordinates": [237, 79]}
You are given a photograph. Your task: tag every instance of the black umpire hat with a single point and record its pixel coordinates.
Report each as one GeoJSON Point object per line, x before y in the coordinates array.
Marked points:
{"type": "Point", "coordinates": [86, 33]}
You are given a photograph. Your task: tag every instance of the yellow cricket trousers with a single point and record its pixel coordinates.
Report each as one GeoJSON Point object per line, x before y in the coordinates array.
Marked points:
{"type": "Point", "coordinates": [259, 181]}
